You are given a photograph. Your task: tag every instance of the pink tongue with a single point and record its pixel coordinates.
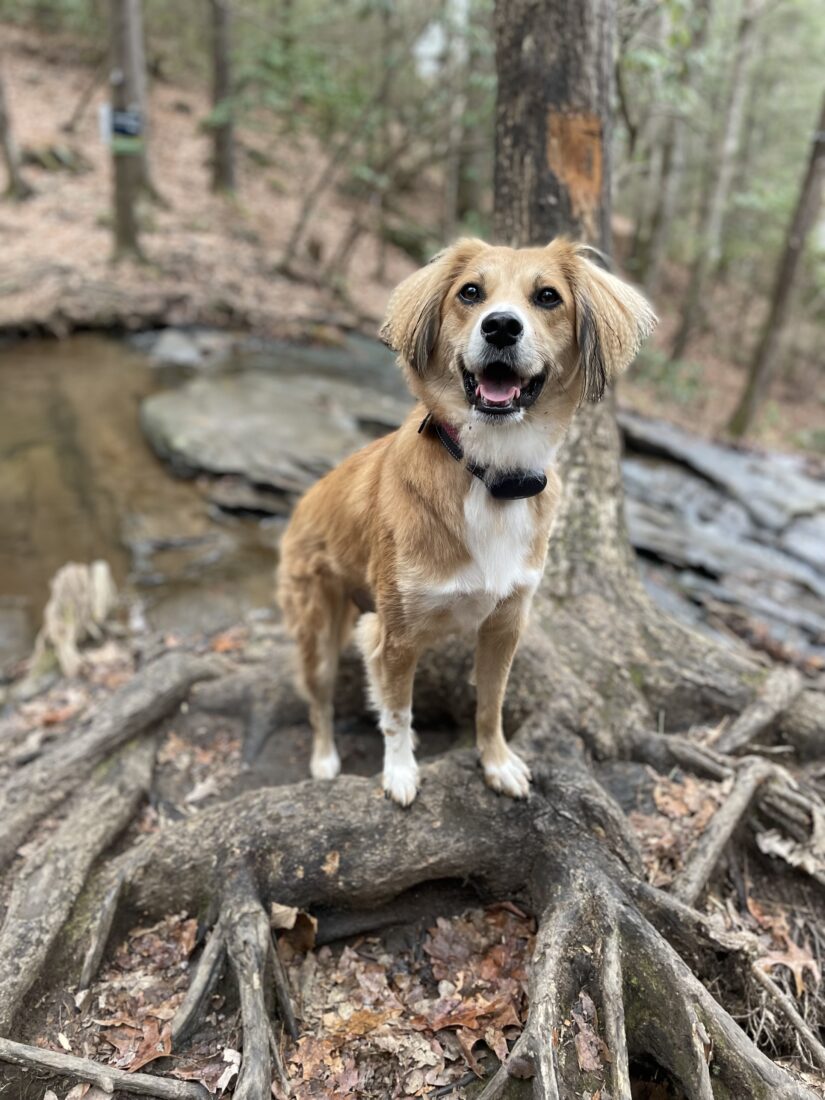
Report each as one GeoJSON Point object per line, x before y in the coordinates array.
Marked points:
{"type": "Point", "coordinates": [497, 392]}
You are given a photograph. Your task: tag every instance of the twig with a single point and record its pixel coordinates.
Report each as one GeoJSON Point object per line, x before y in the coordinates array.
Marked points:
{"type": "Point", "coordinates": [786, 1005]}
{"type": "Point", "coordinates": [709, 847]}
{"type": "Point", "coordinates": [282, 993]}
{"type": "Point", "coordinates": [200, 988]}
{"type": "Point", "coordinates": [278, 1063]}
{"type": "Point", "coordinates": [105, 1077]}
{"type": "Point", "coordinates": [100, 932]}
{"type": "Point", "coordinates": [779, 691]}
{"type": "Point", "coordinates": [614, 1016]}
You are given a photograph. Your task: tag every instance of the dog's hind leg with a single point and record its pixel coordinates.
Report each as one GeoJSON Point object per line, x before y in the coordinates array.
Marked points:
{"type": "Point", "coordinates": [320, 619]}
{"type": "Point", "coordinates": [390, 664]}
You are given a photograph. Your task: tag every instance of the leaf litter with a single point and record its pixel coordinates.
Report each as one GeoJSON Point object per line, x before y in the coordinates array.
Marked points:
{"type": "Point", "coordinates": [376, 1022]}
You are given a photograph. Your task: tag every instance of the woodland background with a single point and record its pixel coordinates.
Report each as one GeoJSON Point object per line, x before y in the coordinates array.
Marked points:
{"type": "Point", "coordinates": [354, 138]}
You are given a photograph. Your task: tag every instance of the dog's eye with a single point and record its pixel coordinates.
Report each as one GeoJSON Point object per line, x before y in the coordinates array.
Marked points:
{"type": "Point", "coordinates": [547, 297]}
{"type": "Point", "coordinates": [471, 293]}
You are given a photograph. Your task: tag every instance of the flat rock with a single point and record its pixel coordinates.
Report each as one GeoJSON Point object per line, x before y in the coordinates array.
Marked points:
{"type": "Point", "coordinates": [280, 431]}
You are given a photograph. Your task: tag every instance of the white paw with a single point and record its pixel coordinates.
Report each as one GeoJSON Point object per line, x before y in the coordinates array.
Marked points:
{"type": "Point", "coordinates": [401, 782]}
{"type": "Point", "coordinates": [509, 776]}
{"type": "Point", "coordinates": [325, 766]}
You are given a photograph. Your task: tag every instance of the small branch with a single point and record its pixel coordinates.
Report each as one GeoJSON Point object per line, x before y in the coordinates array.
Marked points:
{"type": "Point", "coordinates": [779, 691]}
{"type": "Point", "coordinates": [707, 850]}
{"type": "Point", "coordinates": [105, 1077]}
{"type": "Point", "coordinates": [278, 1063]}
{"type": "Point", "coordinates": [100, 933]}
{"type": "Point", "coordinates": [788, 1008]}
{"type": "Point", "coordinates": [204, 980]}
{"type": "Point", "coordinates": [282, 994]}
{"type": "Point", "coordinates": [614, 1017]}
{"type": "Point", "coordinates": [249, 944]}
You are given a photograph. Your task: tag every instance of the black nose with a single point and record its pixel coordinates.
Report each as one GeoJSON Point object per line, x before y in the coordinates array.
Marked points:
{"type": "Point", "coordinates": [501, 329]}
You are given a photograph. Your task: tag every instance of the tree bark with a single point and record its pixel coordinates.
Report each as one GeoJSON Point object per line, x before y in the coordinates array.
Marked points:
{"type": "Point", "coordinates": [128, 149]}
{"type": "Point", "coordinates": [17, 188]}
{"type": "Point", "coordinates": [709, 241]}
{"type": "Point", "coordinates": [223, 126]}
{"type": "Point", "coordinates": [804, 217]}
{"type": "Point", "coordinates": [552, 174]}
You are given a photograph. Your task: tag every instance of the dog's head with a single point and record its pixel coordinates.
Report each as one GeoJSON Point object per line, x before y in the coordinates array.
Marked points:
{"type": "Point", "coordinates": [489, 333]}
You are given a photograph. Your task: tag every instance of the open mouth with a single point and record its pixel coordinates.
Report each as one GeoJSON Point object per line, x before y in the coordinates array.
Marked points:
{"type": "Point", "coordinates": [498, 390]}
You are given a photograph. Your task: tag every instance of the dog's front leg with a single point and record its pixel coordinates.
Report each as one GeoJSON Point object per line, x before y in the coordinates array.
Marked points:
{"type": "Point", "coordinates": [498, 637]}
{"type": "Point", "coordinates": [391, 662]}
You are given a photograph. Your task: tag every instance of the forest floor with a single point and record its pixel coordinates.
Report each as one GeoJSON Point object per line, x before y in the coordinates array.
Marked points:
{"type": "Point", "coordinates": [215, 260]}
{"type": "Point", "coordinates": [425, 1006]}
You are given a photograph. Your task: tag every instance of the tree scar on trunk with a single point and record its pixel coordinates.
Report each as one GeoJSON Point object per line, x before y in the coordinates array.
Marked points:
{"type": "Point", "coordinates": [574, 156]}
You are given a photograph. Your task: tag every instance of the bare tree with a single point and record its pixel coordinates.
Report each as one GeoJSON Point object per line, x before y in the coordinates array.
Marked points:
{"type": "Point", "coordinates": [673, 155]}
{"type": "Point", "coordinates": [127, 123]}
{"type": "Point", "coordinates": [709, 238]}
{"type": "Point", "coordinates": [222, 124]}
{"type": "Point", "coordinates": [17, 187]}
{"type": "Point", "coordinates": [807, 209]}
{"type": "Point", "coordinates": [456, 74]}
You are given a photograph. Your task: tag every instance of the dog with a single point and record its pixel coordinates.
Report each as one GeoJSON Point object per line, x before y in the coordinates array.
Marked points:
{"type": "Point", "coordinates": [443, 525]}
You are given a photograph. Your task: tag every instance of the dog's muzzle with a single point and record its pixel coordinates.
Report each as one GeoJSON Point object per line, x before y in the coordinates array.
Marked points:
{"type": "Point", "coordinates": [497, 389]}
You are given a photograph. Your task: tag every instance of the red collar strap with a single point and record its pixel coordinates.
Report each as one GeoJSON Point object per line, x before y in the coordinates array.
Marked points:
{"type": "Point", "coordinates": [516, 485]}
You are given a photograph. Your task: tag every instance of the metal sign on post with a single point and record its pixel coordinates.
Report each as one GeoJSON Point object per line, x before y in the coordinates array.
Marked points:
{"type": "Point", "coordinates": [127, 131]}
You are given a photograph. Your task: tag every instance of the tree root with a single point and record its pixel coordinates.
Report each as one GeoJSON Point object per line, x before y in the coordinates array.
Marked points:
{"type": "Point", "coordinates": [37, 788]}
{"type": "Point", "coordinates": [105, 1077]}
{"type": "Point", "coordinates": [200, 989]}
{"type": "Point", "coordinates": [645, 994]}
{"type": "Point", "coordinates": [705, 853]}
{"type": "Point", "coordinates": [780, 689]}
{"type": "Point", "coordinates": [54, 874]}
{"type": "Point", "coordinates": [249, 946]}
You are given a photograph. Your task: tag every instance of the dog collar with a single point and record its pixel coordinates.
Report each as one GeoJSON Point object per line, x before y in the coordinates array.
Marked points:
{"type": "Point", "coordinates": [517, 485]}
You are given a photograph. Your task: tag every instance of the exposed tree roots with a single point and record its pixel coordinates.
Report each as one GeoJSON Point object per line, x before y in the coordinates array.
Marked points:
{"type": "Point", "coordinates": [604, 672]}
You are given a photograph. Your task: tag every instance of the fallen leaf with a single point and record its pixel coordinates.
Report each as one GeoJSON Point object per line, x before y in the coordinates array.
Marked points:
{"type": "Point", "coordinates": [282, 916]}
{"type": "Point", "coordinates": [798, 960]}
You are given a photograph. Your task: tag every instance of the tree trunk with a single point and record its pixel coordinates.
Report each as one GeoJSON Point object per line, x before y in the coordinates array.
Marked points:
{"type": "Point", "coordinates": [223, 127]}
{"type": "Point", "coordinates": [807, 209]}
{"type": "Point", "coordinates": [17, 188]}
{"type": "Point", "coordinates": [709, 242]}
{"type": "Point", "coordinates": [455, 75]}
{"type": "Point", "coordinates": [673, 158]}
{"type": "Point", "coordinates": [553, 136]}
{"type": "Point", "coordinates": [128, 123]}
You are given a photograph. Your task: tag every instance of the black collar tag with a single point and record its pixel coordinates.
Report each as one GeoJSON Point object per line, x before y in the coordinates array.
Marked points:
{"type": "Point", "coordinates": [517, 485]}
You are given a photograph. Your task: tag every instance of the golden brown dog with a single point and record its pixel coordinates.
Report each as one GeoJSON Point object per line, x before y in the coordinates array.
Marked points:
{"type": "Point", "coordinates": [443, 525]}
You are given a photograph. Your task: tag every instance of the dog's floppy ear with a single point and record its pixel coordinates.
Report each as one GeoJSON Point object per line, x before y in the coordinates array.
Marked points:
{"type": "Point", "coordinates": [414, 310]}
{"type": "Point", "coordinates": [612, 321]}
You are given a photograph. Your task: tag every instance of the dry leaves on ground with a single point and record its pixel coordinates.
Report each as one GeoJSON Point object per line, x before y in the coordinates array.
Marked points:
{"type": "Point", "coordinates": [685, 807]}
{"type": "Point", "coordinates": [380, 1025]}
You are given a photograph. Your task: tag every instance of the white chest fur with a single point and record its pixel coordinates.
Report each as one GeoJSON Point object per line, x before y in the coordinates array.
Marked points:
{"type": "Point", "coordinates": [499, 536]}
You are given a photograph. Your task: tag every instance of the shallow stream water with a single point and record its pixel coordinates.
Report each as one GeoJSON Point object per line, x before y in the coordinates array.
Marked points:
{"type": "Point", "coordinates": [79, 482]}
